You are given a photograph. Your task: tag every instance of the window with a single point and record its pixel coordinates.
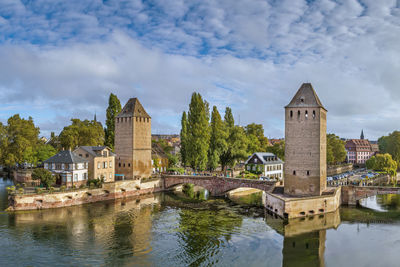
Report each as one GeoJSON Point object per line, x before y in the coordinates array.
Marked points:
{"type": "Point", "coordinates": [110, 164]}
{"type": "Point", "coordinates": [110, 175]}
{"type": "Point", "coordinates": [291, 113]}
{"type": "Point", "coordinates": [105, 165]}
{"type": "Point", "coordinates": [294, 172]}
{"type": "Point", "coordinates": [129, 164]}
{"type": "Point", "coordinates": [308, 172]}
{"type": "Point", "coordinates": [98, 165]}
{"type": "Point", "coordinates": [87, 155]}
{"type": "Point", "coordinates": [80, 155]}
{"type": "Point", "coordinates": [124, 165]}
{"type": "Point", "coordinates": [306, 114]}
{"type": "Point", "coordinates": [119, 164]}
{"type": "Point", "coordinates": [105, 154]}
{"type": "Point", "coordinates": [313, 114]}
{"type": "Point", "coordinates": [298, 114]}
{"type": "Point", "coordinates": [75, 177]}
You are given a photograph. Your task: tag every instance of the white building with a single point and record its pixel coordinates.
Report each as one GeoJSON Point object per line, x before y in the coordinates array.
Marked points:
{"type": "Point", "coordinates": [69, 168]}
{"type": "Point", "coordinates": [265, 163]}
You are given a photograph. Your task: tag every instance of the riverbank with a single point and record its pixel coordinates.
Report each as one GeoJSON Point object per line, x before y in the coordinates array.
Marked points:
{"type": "Point", "coordinates": [109, 191]}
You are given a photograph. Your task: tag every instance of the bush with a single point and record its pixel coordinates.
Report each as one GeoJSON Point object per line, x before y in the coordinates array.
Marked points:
{"type": "Point", "coordinates": [21, 191]}
{"type": "Point", "coordinates": [177, 170]}
{"type": "Point", "coordinates": [45, 177]}
{"type": "Point", "coordinates": [91, 185]}
{"type": "Point", "coordinates": [62, 188]}
{"type": "Point", "coordinates": [51, 190]}
{"type": "Point", "coordinates": [95, 182]}
{"type": "Point", "coordinates": [10, 190]}
{"type": "Point", "coordinates": [82, 186]}
{"type": "Point", "coordinates": [38, 190]}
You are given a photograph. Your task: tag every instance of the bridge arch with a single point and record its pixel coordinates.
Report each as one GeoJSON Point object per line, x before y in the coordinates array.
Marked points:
{"type": "Point", "coordinates": [217, 186]}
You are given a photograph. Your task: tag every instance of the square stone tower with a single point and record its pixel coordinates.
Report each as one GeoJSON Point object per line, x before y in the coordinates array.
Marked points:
{"type": "Point", "coordinates": [133, 141]}
{"type": "Point", "coordinates": [305, 144]}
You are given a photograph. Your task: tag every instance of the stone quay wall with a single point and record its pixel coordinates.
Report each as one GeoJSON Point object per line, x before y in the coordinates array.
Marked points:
{"type": "Point", "coordinates": [109, 191]}
{"type": "Point", "coordinates": [290, 207]}
{"type": "Point", "coordinates": [334, 170]}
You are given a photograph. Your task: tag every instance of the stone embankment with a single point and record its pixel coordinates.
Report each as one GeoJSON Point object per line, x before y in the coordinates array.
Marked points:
{"type": "Point", "coordinates": [109, 191]}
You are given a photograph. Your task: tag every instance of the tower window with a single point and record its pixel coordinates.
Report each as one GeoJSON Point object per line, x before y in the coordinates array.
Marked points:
{"type": "Point", "coordinates": [291, 113]}
{"type": "Point", "coordinates": [308, 172]}
{"type": "Point", "coordinates": [302, 100]}
{"type": "Point", "coordinates": [313, 114]}
{"type": "Point", "coordinates": [306, 113]}
{"type": "Point", "coordinates": [298, 114]}
{"type": "Point", "coordinates": [294, 172]}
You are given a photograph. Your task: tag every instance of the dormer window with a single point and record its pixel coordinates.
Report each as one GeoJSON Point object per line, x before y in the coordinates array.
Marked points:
{"type": "Point", "coordinates": [302, 100]}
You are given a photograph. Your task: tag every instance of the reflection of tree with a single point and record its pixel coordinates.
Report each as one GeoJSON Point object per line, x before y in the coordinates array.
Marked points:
{"type": "Point", "coordinates": [388, 202]}
{"type": "Point", "coordinates": [203, 231]}
{"type": "Point", "coordinates": [304, 250]}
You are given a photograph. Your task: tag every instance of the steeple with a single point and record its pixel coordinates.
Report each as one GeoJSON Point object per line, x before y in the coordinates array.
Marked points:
{"type": "Point", "coordinates": [95, 119]}
{"type": "Point", "coordinates": [362, 135]}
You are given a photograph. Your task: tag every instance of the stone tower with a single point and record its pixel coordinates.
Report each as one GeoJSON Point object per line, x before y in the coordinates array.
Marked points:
{"type": "Point", "coordinates": [133, 141]}
{"type": "Point", "coordinates": [305, 144]}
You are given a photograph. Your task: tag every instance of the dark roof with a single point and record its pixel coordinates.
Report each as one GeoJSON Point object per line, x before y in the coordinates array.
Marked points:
{"type": "Point", "coordinates": [157, 151]}
{"type": "Point", "coordinates": [65, 156]}
{"type": "Point", "coordinates": [91, 149]}
{"type": "Point", "coordinates": [265, 158]}
{"type": "Point", "coordinates": [133, 108]}
{"type": "Point", "coordinates": [305, 97]}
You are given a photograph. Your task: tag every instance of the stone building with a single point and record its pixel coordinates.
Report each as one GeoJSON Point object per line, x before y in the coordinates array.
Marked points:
{"type": "Point", "coordinates": [69, 168]}
{"type": "Point", "coordinates": [359, 151]}
{"type": "Point", "coordinates": [101, 161]}
{"type": "Point", "coordinates": [133, 141]}
{"type": "Point", "coordinates": [305, 149]}
{"type": "Point", "coordinates": [267, 163]}
{"type": "Point", "coordinates": [159, 158]}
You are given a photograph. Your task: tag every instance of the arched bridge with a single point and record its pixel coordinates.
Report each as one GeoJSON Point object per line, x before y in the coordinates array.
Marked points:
{"type": "Point", "coordinates": [217, 186]}
{"type": "Point", "coordinates": [352, 194]}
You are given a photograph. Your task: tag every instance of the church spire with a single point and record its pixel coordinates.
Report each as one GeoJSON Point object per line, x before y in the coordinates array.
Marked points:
{"type": "Point", "coordinates": [95, 119]}
{"type": "Point", "coordinates": [362, 135]}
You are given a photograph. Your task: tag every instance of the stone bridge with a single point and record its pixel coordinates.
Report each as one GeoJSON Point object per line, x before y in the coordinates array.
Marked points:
{"type": "Point", "coordinates": [217, 186]}
{"type": "Point", "coordinates": [352, 194]}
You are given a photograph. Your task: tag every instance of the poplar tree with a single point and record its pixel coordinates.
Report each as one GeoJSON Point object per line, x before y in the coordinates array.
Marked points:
{"type": "Point", "coordinates": [218, 138]}
{"type": "Point", "coordinates": [197, 133]}
{"type": "Point", "coordinates": [114, 108]}
{"type": "Point", "coordinates": [236, 142]}
{"type": "Point", "coordinates": [183, 139]}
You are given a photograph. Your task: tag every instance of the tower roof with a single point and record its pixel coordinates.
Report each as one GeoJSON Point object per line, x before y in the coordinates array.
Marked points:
{"type": "Point", "coordinates": [133, 108]}
{"type": "Point", "coordinates": [305, 97]}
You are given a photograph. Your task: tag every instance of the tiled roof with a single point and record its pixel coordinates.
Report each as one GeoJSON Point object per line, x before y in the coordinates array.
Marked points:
{"type": "Point", "coordinates": [92, 149]}
{"type": "Point", "coordinates": [157, 151]}
{"type": "Point", "coordinates": [305, 97]}
{"type": "Point", "coordinates": [359, 144]}
{"type": "Point", "coordinates": [133, 108]}
{"type": "Point", "coordinates": [65, 156]}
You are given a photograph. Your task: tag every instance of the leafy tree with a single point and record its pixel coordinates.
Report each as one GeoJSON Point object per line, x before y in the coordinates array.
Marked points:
{"type": "Point", "coordinates": [82, 133]}
{"type": "Point", "coordinates": [383, 162]}
{"type": "Point", "coordinates": [197, 133]}
{"type": "Point", "coordinates": [257, 141]}
{"type": "Point", "coordinates": [45, 177]}
{"type": "Point", "coordinates": [44, 152]}
{"type": "Point", "coordinates": [183, 136]}
{"type": "Point", "coordinates": [335, 149]}
{"type": "Point", "coordinates": [391, 144]}
{"type": "Point", "coordinates": [172, 160]}
{"type": "Point", "coordinates": [236, 142]}
{"type": "Point", "coordinates": [218, 138]}
{"type": "Point", "coordinates": [114, 108]}
{"type": "Point", "coordinates": [278, 149]}
{"type": "Point", "coordinates": [19, 139]}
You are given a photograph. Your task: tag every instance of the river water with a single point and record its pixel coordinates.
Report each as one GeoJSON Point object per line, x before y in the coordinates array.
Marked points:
{"type": "Point", "coordinates": [171, 230]}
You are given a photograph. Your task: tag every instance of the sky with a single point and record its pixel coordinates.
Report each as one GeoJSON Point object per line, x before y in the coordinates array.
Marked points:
{"type": "Point", "coordinates": [61, 60]}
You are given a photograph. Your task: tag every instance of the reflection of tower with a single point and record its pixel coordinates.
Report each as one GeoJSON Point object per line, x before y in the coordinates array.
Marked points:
{"type": "Point", "coordinates": [304, 250]}
{"type": "Point", "coordinates": [305, 144]}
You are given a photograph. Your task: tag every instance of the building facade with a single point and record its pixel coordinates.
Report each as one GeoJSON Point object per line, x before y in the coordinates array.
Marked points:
{"type": "Point", "coordinates": [359, 151]}
{"type": "Point", "coordinates": [267, 163]}
{"type": "Point", "coordinates": [69, 168]}
{"type": "Point", "coordinates": [101, 161]}
{"type": "Point", "coordinates": [133, 141]}
{"type": "Point", "coordinates": [305, 144]}
{"type": "Point", "coordinates": [159, 159]}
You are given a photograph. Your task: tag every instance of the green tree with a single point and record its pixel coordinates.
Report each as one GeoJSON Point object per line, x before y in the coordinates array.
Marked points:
{"type": "Point", "coordinates": [335, 149]}
{"type": "Point", "coordinates": [383, 162]}
{"type": "Point", "coordinates": [257, 141]}
{"type": "Point", "coordinates": [197, 133]}
{"type": "Point", "coordinates": [44, 152]}
{"type": "Point", "coordinates": [236, 143]}
{"type": "Point", "coordinates": [19, 139]}
{"type": "Point", "coordinates": [278, 149]}
{"type": "Point", "coordinates": [82, 133]}
{"type": "Point", "coordinates": [172, 160]}
{"type": "Point", "coordinates": [218, 138]}
{"type": "Point", "coordinates": [45, 177]}
{"type": "Point", "coordinates": [113, 109]}
{"type": "Point", "coordinates": [183, 136]}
